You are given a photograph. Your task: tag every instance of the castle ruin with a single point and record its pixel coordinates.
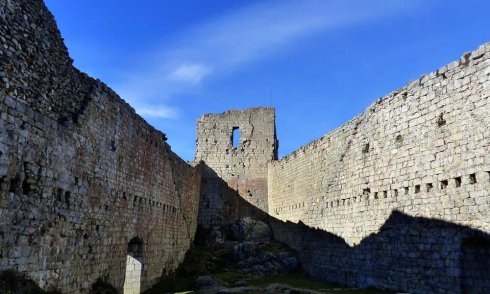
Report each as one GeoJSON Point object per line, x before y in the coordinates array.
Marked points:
{"type": "Point", "coordinates": [396, 198]}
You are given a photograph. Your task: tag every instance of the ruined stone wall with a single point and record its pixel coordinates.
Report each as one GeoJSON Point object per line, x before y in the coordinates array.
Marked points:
{"type": "Point", "coordinates": [80, 173]}
{"type": "Point", "coordinates": [242, 168]}
{"type": "Point", "coordinates": [422, 150]}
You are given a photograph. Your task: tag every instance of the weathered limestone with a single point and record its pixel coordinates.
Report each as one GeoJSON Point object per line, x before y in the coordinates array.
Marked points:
{"type": "Point", "coordinates": [80, 173]}
{"type": "Point", "coordinates": [422, 149]}
{"type": "Point", "coordinates": [400, 194]}
{"type": "Point", "coordinates": [396, 198]}
{"type": "Point", "coordinates": [242, 167]}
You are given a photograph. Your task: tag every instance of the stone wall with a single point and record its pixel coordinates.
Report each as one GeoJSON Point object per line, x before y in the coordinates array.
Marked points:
{"type": "Point", "coordinates": [407, 255]}
{"type": "Point", "coordinates": [243, 167]}
{"type": "Point", "coordinates": [422, 150]}
{"type": "Point", "coordinates": [80, 173]}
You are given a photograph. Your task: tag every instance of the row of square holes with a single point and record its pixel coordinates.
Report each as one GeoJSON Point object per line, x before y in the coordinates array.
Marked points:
{"type": "Point", "coordinates": [141, 200]}
{"type": "Point", "coordinates": [429, 186]}
{"type": "Point", "coordinates": [291, 207]}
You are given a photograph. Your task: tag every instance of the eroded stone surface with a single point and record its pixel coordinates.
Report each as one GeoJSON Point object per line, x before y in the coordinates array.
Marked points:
{"type": "Point", "coordinates": [406, 182]}
{"type": "Point", "coordinates": [422, 149]}
{"type": "Point", "coordinates": [80, 173]}
{"type": "Point", "coordinates": [243, 167]}
{"type": "Point", "coordinates": [400, 194]}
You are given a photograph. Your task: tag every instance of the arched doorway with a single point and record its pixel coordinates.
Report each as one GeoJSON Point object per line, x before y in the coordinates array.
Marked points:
{"type": "Point", "coordinates": [134, 266]}
{"type": "Point", "coordinates": [475, 265]}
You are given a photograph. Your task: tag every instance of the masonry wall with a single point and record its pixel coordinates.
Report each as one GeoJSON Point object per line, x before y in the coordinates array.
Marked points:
{"type": "Point", "coordinates": [422, 150]}
{"type": "Point", "coordinates": [232, 169]}
{"type": "Point", "coordinates": [80, 173]}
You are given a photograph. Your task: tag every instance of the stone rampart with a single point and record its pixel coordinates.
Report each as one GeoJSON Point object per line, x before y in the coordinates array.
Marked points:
{"type": "Point", "coordinates": [396, 198]}
{"type": "Point", "coordinates": [81, 174]}
{"type": "Point", "coordinates": [400, 194]}
{"type": "Point", "coordinates": [422, 149]}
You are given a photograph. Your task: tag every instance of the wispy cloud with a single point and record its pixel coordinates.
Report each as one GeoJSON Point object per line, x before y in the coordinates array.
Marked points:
{"type": "Point", "coordinates": [190, 73]}
{"type": "Point", "coordinates": [222, 45]}
{"type": "Point", "coordinates": [158, 112]}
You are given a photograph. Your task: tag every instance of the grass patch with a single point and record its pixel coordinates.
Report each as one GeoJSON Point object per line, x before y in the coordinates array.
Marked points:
{"type": "Point", "coordinates": [173, 284]}
{"type": "Point", "coordinates": [299, 280]}
{"type": "Point", "coordinates": [294, 280]}
{"type": "Point", "coordinates": [197, 262]}
{"type": "Point", "coordinates": [230, 277]}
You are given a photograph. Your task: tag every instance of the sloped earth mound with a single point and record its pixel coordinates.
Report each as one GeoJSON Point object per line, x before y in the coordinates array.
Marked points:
{"type": "Point", "coordinates": [242, 257]}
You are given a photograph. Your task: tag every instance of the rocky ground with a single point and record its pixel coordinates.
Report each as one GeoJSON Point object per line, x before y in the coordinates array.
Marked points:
{"type": "Point", "coordinates": [243, 257]}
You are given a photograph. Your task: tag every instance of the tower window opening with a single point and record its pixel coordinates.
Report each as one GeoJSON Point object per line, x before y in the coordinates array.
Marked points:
{"type": "Point", "coordinates": [235, 137]}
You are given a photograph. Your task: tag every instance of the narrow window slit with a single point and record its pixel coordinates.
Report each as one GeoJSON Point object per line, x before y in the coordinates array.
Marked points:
{"type": "Point", "coordinates": [14, 184]}
{"type": "Point", "coordinates": [473, 179]}
{"type": "Point", "coordinates": [457, 182]}
{"type": "Point", "coordinates": [366, 193]}
{"type": "Point", "coordinates": [365, 149]}
{"type": "Point", "coordinates": [67, 197]}
{"type": "Point", "coordinates": [235, 137]}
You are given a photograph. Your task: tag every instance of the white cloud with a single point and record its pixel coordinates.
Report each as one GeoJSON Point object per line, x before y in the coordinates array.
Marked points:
{"type": "Point", "coordinates": [190, 72]}
{"type": "Point", "coordinates": [158, 112]}
{"type": "Point", "coordinates": [222, 45]}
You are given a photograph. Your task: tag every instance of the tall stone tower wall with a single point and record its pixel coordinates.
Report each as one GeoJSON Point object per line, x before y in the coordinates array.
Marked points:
{"type": "Point", "coordinates": [81, 175]}
{"type": "Point", "coordinates": [241, 168]}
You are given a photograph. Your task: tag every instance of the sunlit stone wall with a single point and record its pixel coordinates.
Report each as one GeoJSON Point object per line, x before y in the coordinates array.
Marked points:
{"type": "Point", "coordinates": [400, 194]}
{"type": "Point", "coordinates": [422, 149]}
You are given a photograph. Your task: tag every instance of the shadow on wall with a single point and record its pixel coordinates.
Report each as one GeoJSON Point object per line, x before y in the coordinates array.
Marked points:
{"type": "Point", "coordinates": [411, 254]}
{"type": "Point", "coordinates": [221, 203]}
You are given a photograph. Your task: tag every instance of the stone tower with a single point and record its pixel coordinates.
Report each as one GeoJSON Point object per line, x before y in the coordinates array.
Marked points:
{"type": "Point", "coordinates": [236, 147]}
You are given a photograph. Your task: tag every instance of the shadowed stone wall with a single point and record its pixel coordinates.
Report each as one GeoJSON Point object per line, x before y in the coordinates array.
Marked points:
{"type": "Point", "coordinates": [80, 173]}
{"type": "Point", "coordinates": [243, 167]}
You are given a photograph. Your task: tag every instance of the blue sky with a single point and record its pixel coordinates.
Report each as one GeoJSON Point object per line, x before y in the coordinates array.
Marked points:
{"type": "Point", "coordinates": [319, 63]}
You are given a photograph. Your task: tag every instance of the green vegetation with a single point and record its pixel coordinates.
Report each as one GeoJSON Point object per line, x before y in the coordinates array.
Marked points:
{"type": "Point", "coordinates": [197, 262]}
{"type": "Point", "coordinates": [231, 277]}
{"type": "Point", "coordinates": [299, 280]}
{"type": "Point", "coordinates": [219, 264]}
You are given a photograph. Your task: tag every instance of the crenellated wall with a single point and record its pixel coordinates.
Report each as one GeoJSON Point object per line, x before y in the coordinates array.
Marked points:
{"type": "Point", "coordinates": [81, 174]}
